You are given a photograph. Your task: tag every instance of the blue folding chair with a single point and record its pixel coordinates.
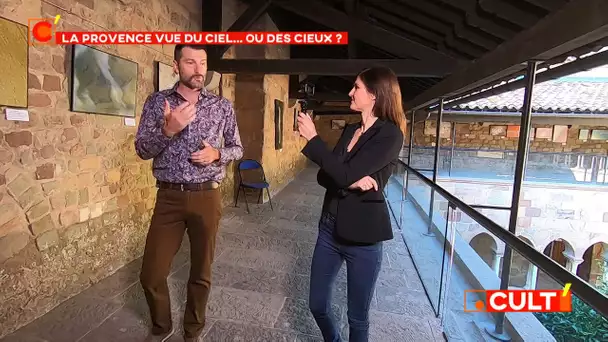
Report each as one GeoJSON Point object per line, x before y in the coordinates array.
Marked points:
{"type": "Point", "coordinates": [247, 165]}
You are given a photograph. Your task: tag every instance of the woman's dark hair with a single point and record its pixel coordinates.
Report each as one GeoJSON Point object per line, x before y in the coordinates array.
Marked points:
{"type": "Point", "coordinates": [383, 83]}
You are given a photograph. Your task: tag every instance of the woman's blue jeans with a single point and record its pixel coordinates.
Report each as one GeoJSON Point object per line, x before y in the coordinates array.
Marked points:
{"type": "Point", "coordinates": [362, 265]}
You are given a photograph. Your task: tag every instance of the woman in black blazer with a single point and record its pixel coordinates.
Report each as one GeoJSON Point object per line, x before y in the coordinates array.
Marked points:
{"type": "Point", "coordinates": [355, 218]}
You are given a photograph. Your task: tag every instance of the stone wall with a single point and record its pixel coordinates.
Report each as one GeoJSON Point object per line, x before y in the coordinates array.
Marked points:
{"type": "Point", "coordinates": [75, 200]}
{"type": "Point", "coordinates": [477, 136]}
{"type": "Point", "coordinates": [254, 104]}
{"type": "Point", "coordinates": [329, 135]}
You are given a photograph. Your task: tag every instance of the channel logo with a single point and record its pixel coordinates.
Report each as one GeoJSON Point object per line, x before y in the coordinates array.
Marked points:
{"type": "Point", "coordinates": [41, 30]}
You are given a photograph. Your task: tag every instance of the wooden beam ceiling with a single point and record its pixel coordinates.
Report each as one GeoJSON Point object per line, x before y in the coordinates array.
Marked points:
{"type": "Point", "coordinates": [576, 24]}
{"type": "Point", "coordinates": [245, 21]}
{"type": "Point", "coordinates": [328, 67]}
{"type": "Point", "coordinates": [364, 31]}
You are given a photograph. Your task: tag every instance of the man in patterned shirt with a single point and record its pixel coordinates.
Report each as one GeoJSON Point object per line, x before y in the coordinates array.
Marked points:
{"type": "Point", "coordinates": [182, 130]}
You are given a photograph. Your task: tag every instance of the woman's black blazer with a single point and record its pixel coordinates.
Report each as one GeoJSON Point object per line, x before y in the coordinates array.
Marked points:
{"type": "Point", "coordinates": [362, 216]}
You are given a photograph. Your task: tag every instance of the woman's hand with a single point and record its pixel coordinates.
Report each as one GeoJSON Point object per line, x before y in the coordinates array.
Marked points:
{"type": "Point", "coordinates": [306, 127]}
{"type": "Point", "coordinates": [364, 184]}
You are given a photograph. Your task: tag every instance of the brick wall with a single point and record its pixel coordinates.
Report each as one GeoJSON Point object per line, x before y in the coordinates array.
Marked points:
{"type": "Point", "coordinates": [75, 200]}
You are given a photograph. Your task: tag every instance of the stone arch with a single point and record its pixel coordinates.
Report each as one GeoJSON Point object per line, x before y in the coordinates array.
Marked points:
{"type": "Point", "coordinates": [520, 267]}
{"type": "Point", "coordinates": [561, 251]}
{"type": "Point", "coordinates": [593, 269]}
{"type": "Point", "coordinates": [558, 249]}
{"type": "Point", "coordinates": [486, 247]}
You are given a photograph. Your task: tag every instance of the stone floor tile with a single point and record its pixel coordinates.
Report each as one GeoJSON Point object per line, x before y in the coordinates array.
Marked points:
{"type": "Point", "coordinates": [72, 319]}
{"type": "Point", "coordinates": [295, 316]}
{"type": "Point", "coordinates": [308, 338]}
{"type": "Point", "coordinates": [226, 331]}
{"type": "Point", "coordinates": [245, 306]}
{"type": "Point", "coordinates": [260, 285]}
{"type": "Point", "coordinates": [387, 327]}
{"type": "Point", "coordinates": [403, 301]}
{"type": "Point", "coordinates": [263, 260]}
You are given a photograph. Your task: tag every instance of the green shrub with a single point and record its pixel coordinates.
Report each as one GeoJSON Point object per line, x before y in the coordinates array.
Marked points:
{"type": "Point", "coordinates": [582, 324]}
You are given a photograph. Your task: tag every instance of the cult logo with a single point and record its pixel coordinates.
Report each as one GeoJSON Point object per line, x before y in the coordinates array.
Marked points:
{"type": "Point", "coordinates": [518, 300]}
{"type": "Point", "coordinates": [41, 30]}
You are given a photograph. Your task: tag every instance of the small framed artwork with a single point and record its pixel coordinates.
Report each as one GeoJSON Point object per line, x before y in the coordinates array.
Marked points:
{"type": "Point", "coordinates": [498, 130]}
{"type": "Point", "coordinates": [338, 124]}
{"type": "Point", "coordinates": [583, 134]}
{"type": "Point", "coordinates": [165, 77]}
{"type": "Point", "coordinates": [599, 134]}
{"type": "Point", "coordinates": [430, 128]}
{"type": "Point", "coordinates": [532, 133]}
{"type": "Point", "coordinates": [560, 133]}
{"type": "Point", "coordinates": [513, 131]}
{"type": "Point", "coordinates": [544, 133]}
{"type": "Point", "coordinates": [278, 124]}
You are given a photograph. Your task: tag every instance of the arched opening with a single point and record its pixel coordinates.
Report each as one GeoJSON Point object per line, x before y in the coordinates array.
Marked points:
{"type": "Point", "coordinates": [520, 268]}
{"type": "Point", "coordinates": [557, 250]}
{"type": "Point", "coordinates": [593, 269]}
{"type": "Point", "coordinates": [485, 246]}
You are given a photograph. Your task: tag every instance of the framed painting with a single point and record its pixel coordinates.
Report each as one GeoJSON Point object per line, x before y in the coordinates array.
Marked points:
{"type": "Point", "coordinates": [338, 124]}
{"type": "Point", "coordinates": [498, 130]}
{"type": "Point", "coordinates": [278, 124]}
{"type": "Point", "coordinates": [102, 83]}
{"type": "Point", "coordinates": [513, 131]}
{"type": "Point", "coordinates": [583, 134]}
{"type": "Point", "coordinates": [599, 134]}
{"type": "Point", "coordinates": [560, 133]}
{"type": "Point", "coordinates": [165, 77]}
{"type": "Point", "coordinates": [14, 52]}
{"type": "Point", "coordinates": [544, 133]}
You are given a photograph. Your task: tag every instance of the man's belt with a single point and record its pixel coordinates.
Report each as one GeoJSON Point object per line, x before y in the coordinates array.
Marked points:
{"type": "Point", "coordinates": [209, 185]}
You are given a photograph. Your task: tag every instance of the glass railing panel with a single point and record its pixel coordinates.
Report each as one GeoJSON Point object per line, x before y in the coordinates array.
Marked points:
{"type": "Point", "coordinates": [583, 323]}
{"type": "Point", "coordinates": [499, 164]}
{"type": "Point", "coordinates": [425, 236]}
{"type": "Point", "coordinates": [474, 264]}
{"type": "Point", "coordinates": [393, 191]}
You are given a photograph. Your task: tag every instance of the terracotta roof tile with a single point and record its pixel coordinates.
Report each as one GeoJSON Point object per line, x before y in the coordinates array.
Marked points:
{"type": "Point", "coordinates": [557, 96]}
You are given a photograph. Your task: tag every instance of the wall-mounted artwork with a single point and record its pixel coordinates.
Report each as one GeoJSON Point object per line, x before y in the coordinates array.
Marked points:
{"type": "Point", "coordinates": [430, 128]}
{"type": "Point", "coordinates": [212, 80]}
{"type": "Point", "coordinates": [498, 130]}
{"type": "Point", "coordinates": [599, 134]}
{"type": "Point", "coordinates": [278, 124]}
{"type": "Point", "coordinates": [513, 131]}
{"type": "Point", "coordinates": [583, 134]}
{"type": "Point", "coordinates": [13, 55]}
{"type": "Point", "coordinates": [102, 83]}
{"type": "Point", "coordinates": [338, 124]}
{"type": "Point", "coordinates": [165, 77]}
{"type": "Point", "coordinates": [560, 134]}
{"type": "Point", "coordinates": [544, 133]}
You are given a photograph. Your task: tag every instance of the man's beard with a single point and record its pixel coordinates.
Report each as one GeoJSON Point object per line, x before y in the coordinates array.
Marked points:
{"type": "Point", "coordinates": [193, 82]}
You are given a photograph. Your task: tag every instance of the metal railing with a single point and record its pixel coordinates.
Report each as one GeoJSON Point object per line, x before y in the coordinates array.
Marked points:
{"type": "Point", "coordinates": [579, 287]}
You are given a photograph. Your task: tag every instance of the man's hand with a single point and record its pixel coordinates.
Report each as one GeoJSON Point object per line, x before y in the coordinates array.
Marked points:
{"type": "Point", "coordinates": [206, 156]}
{"type": "Point", "coordinates": [364, 184]}
{"type": "Point", "coordinates": [177, 119]}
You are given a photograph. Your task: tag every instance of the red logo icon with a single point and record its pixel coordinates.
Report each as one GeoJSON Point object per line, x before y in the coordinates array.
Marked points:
{"type": "Point", "coordinates": [41, 30]}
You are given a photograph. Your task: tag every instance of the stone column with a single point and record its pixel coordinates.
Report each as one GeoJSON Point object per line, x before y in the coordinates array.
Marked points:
{"type": "Point", "coordinates": [532, 277]}
{"type": "Point", "coordinates": [572, 263]}
{"type": "Point", "coordinates": [496, 263]}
